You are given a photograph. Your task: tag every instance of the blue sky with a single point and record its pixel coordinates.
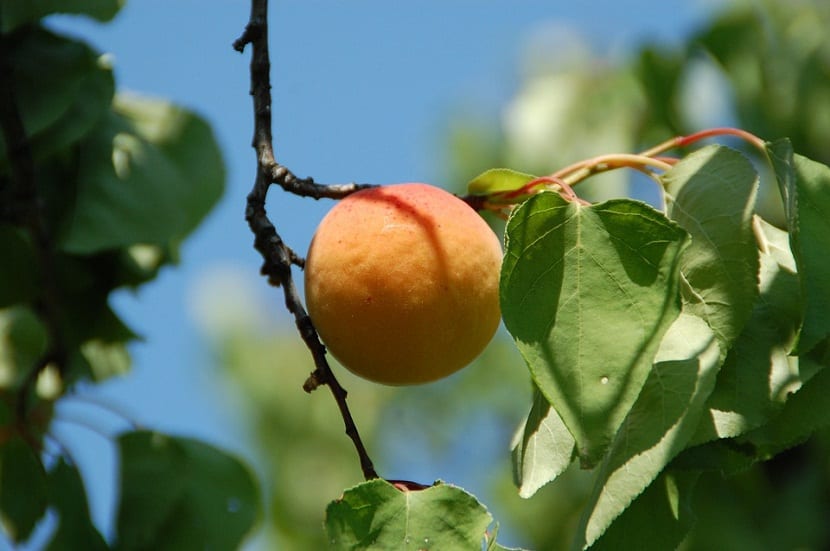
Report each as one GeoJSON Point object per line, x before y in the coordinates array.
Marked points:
{"type": "Point", "coordinates": [363, 91]}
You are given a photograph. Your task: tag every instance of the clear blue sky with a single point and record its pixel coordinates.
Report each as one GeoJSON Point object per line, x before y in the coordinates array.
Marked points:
{"type": "Point", "coordinates": [362, 92]}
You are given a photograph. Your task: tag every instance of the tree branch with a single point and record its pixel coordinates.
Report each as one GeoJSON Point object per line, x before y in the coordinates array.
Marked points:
{"type": "Point", "coordinates": [26, 209]}
{"type": "Point", "coordinates": [277, 256]}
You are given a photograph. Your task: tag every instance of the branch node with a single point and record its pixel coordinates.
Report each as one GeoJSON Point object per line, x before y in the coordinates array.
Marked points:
{"type": "Point", "coordinates": [313, 382]}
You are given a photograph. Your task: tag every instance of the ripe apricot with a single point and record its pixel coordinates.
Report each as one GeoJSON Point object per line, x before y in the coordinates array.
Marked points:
{"type": "Point", "coordinates": [402, 283]}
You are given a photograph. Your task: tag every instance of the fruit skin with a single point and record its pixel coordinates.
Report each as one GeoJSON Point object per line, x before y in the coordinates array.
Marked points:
{"type": "Point", "coordinates": [402, 283]}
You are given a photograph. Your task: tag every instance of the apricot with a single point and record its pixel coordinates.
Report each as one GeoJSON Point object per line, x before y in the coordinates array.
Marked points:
{"type": "Point", "coordinates": [402, 283]}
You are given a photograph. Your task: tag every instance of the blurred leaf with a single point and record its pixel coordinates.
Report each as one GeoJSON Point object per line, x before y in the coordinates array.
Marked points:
{"type": "Point", "coordinates": [557, 118]}
{"type": "Point", "coordinates": [711, 194]}
{"type": "Point", "coordinates": [775, 55]}
{"type": "Point", "coordinates": [543, 448]}
{"type": "Point", "coordinates": [148, 175]}
{"type": "Point", "coordinates": [377, 515]}
{"type": "Point", "coordinates": [18, 278]}
{"type": "Point", "coordinates": [22, 342]}
{"type": "Point", "coordinates": [498, 179]}
{"type": "Point", "coordinates": [805, 188]}
{"type": "Point", "coordinates": [179, 493]}
{"type": "Point", "coordinates": [18, 12]}
{"type": "Point", "coordinates": [759, 373]}
{"type": "Point", "coordinates": [75, 528]}
{"type": "Point", "coordinates": [658, 427]}
{"type": "Point", "coordinates": [61, 105]}
{"type": "Point", "coordinates": [587, 293]}
{"type": "Point", "coordinates": [659, 72]}
{"type": "Point", "coordinates": [777, 505]}
{"type": "Point", "coordinates": [657, 520]}
{"type": "Point", "coordinates": [22, 488]}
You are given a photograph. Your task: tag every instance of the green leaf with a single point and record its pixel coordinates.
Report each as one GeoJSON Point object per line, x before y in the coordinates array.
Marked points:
{"type": "Point", "coordinates": [758, 373]}
{"type": "Point", "coordinates": [711, 194]}
{"type": "Point", "coordinates": [805, 188]}
{"type": "Point", "coordinates": [18, 278]}
{"type": "Point", "coordinates": [179, 493]}
{"type": "Point", "coordinates": [62, 105]}
{"type": "Point", "coordinates": [658, 519]}
{"type": "Point", "coordinates": [543, 448]}
{"type": "Point", "coordinates": [22, 488]}
{"type": "Point", "coordinates": [587, 293]}
{"type": "Point", "coordinates": [67, 495]}
{"type": "Point", "coordinates": [377, 515]}
{"type": "Point", "coordinates": [662, 421]}
{"type": "Point", "coordinates": [17, 12]}
{"type": "Point", "coordinates": [149, 175]}
{"type": "Point", "coordinates": [805, 412]}
{"type": "Point", "coordinates": [22, 342]}
{"type": "Point", "coordinates": [497, 180]}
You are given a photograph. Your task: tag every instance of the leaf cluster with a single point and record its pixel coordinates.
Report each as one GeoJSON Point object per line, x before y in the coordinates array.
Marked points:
{"type": "Point", "coordinates": [98, 189]}
{"type": "Point", "coordinates": [659, 340]}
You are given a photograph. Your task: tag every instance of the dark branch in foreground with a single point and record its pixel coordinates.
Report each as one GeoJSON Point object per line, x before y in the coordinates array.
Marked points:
{"type": "Point", "coordinates": [277, 256]}
{"type": "Point", "coordinates": [25, 207]}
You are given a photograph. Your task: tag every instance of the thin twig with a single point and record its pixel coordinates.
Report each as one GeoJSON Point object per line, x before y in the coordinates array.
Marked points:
{"type": "Point", "coordinates": [27, 205]}
{"type": "Point", "coordinates": [277, 256]}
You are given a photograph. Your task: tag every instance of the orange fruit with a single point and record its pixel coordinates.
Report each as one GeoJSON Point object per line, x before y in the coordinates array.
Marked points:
{"type": "Point", "coordinates": [402, 283]}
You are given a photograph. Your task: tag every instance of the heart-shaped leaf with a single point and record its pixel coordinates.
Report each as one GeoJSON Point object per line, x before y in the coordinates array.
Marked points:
{"type": "Point", "coordinates": [587, 293]}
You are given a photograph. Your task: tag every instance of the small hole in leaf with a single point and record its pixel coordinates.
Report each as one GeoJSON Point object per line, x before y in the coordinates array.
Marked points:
{"type": "Point", "coordinates": [604, 380]}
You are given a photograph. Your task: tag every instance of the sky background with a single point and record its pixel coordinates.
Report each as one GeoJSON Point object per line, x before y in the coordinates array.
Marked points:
{"type": "Point", "coordinates": [363, 91]}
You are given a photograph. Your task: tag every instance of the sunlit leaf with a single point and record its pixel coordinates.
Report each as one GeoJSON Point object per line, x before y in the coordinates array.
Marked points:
{"type": "Point", "coordinates": [179, 493]}
{"type": "Point", "coordinates": [17, 12]}
{"type": "Point", "coordinates": [711, 194]}
{"type": "Point", "coordinates": [377, 515]}
{"type": "Point", "coordinates": [662, 421]}
{"type": "Point", "coordinates": [805, 188]}
{"type": "Point", "coordinates": [67, 495]}
{"type": "Point", "coordinates": [498, 179]}
{"type": "Point", "coordinates": [149, 175]}
{"type": "Point", "coordinates": [587, 293]}
{"type": "Point", "coordinates": [759, 373]}
{"type": "Point", "coordinates": [543, 448]}
{"type": "Point", "coordinates": [106, 359]}
{"type": "Point", "coordinates": [22, 488]}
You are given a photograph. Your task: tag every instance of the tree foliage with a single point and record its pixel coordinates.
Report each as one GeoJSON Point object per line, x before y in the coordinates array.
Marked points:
{"type": "Point", "coordinates": [98, 190]}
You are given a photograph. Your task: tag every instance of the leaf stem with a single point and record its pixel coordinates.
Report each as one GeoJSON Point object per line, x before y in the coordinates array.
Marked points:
{"type": "Point", "coordinates": [577, 172]}
{"type": "Point", "coordinates": [277, 256]}
{"type": "Point", "coordinates": [683, 141]}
